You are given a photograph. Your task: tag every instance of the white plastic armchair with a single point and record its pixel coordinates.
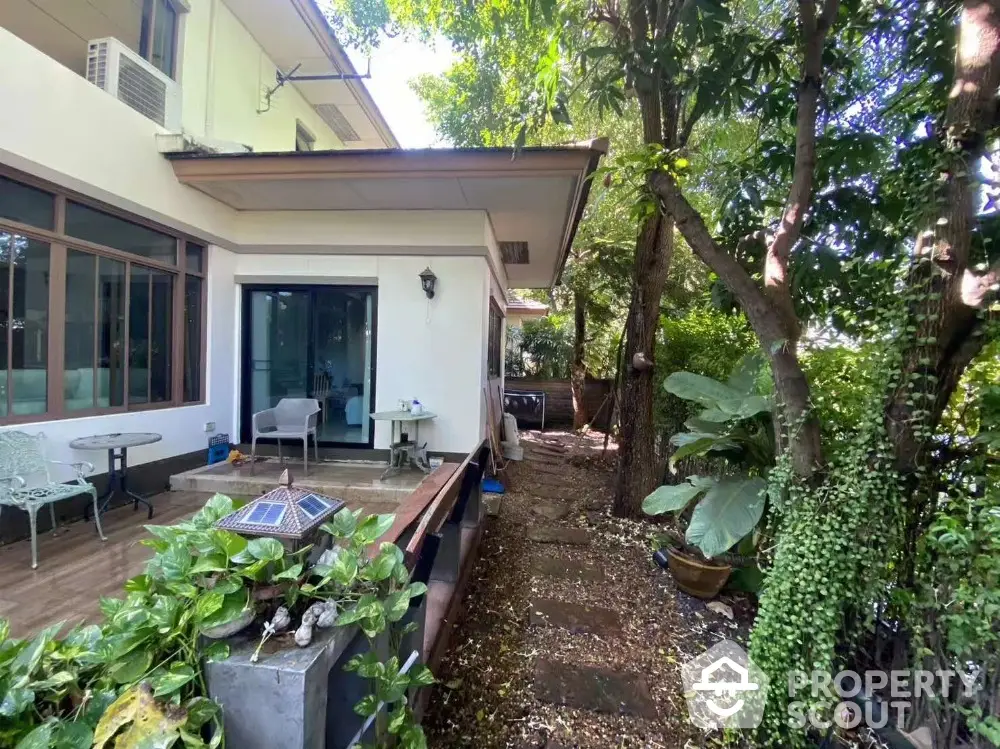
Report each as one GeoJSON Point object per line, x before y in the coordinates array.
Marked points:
{"type": "Point", "coordinates": [27, 484]}
{"type": "Point", "coordinates": [292, 418]}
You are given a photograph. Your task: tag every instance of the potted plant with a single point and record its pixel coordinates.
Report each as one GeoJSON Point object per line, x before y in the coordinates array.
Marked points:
{"type": "Point", "coordinates": [720, 513]}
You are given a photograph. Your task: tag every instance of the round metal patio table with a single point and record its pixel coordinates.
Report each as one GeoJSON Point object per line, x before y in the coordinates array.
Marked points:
{"type": "Point", "coordinates": [117, 445]}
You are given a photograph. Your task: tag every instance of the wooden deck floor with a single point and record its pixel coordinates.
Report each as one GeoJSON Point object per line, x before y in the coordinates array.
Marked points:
{"type": "Point", "coordinates": [75, 569]}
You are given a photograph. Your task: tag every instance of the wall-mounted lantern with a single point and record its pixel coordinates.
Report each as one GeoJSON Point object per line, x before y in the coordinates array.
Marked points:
{"type": "Point", "coordinates": [427, 281]}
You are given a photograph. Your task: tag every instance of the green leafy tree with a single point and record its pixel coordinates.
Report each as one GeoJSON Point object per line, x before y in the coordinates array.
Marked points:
{"type": "Point", "coordinates": [831, 164]}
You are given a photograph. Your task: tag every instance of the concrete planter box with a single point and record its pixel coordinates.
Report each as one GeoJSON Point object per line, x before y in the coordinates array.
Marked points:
{"type": "Point", "coordinates": [294, 697]}
{"type": "Point", "coordinates": [302, 697]}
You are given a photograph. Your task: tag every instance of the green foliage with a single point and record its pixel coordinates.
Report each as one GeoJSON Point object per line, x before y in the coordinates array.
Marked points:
{"type": "Point", "coordinates": [729, 511]}
{"type": "Point", "coordinates": [841, 382]}
{"type": "Point", "coordinates": [734, 425]}
{"type": "Point", "coordinates": [137, 680]}
{"type": "Point", "coordinates": [735, 420]}
{"type": "Point", "coordinates": [377, 591]}
{"type": "Point", "coordinates": [542, 348]}
{"type": "Point", "coordinates": [703, 341]}
{"type": "Point", "coordinates": [957, 602]}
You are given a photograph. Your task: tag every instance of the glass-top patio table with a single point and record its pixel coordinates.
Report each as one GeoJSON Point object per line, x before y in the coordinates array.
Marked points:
{"type": "Point", "coordinates": [117, 445]}
{"type": "Point", "coordinates": [406, 451]}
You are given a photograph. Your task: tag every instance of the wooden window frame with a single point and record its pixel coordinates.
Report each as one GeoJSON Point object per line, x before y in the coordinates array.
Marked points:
{"type": "Point", "coordinates": [498, 354]}
{"type": "Point", "coordinates": [304, 134]}
{"type": "Point", "coordinates": [59, 245]}
{"type": "Point", "coordinates": [179, 9]}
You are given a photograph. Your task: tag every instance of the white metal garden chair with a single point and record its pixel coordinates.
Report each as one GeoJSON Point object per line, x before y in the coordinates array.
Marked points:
{"type": "Point", "coordinates": [26, 481]}
{"type": "Point", "coordinates": [292, 418]}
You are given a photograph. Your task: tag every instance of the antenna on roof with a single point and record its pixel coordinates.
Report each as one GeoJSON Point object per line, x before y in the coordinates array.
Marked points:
{"type": "Point", "coordinates": [290, 77]}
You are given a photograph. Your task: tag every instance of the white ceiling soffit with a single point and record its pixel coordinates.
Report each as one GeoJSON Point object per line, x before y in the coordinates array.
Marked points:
{"type": "Point", "coordinates": [534, 200]}
{"type": "Point", "coordinates": [295, 32]}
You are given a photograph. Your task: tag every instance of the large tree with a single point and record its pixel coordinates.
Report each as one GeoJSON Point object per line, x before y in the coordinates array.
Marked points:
{"type": "Point", "coordinates": [861, 202]}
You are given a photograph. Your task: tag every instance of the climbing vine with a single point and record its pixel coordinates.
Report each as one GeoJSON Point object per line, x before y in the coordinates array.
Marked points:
{"type": "Point", "coordinates": [842, 532]}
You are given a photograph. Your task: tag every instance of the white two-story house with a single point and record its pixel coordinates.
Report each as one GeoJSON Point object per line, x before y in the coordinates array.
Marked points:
{"type": "Point", "coordinates": [202, 211]}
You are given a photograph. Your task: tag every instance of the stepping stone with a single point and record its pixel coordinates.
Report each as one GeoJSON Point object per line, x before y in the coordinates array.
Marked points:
{"type": "Point", "coordinates": [545, 470]}
{"type": "Point", "coordinates": [549, 535]}
{"type": "Point", "coordinates": [599, 689]}
{"type": "Point", "coordinates": [551, 492]}
{"type": "Point", "coordinates": [574, 617]}
{"type": "Point", "coordinates": [551, 510]}
{"type": "Point", "coordinates": [547, 448]}
{"type": "Point", "coordinates": [567, 569]}
{"type": "Point", "coordinates": [534, 459]}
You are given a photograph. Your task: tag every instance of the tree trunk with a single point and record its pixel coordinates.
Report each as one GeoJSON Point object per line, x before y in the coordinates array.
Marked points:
{"type": "Point", "coordinates": [948, 299]}
{"type": "Point", "coordinates": [638, 472]}
{"type": "Point", "coordinates": [638, 468]}
{"type": "Point", "coordinates": [578, 375]}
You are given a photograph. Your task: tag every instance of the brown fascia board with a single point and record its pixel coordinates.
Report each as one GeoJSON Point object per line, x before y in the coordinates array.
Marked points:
{"type": "Point", "coordinates": [315, 19]}
{"type": "Point", "coordinates": [389, 163]}
{"type": "Point", "coordinates": [598, 148]}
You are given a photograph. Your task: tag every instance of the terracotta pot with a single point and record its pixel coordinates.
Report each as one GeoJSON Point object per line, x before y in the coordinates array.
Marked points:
{"type": "Point", "coordinates": [697, 578]}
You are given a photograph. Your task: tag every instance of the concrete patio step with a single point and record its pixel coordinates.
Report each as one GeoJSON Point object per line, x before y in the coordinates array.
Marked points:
{"type": "Point", "coordinates": [359, 483]}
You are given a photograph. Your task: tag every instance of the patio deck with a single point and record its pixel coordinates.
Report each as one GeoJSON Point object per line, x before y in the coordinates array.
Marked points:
{"type": "Point", "coordinates": [75, 569]}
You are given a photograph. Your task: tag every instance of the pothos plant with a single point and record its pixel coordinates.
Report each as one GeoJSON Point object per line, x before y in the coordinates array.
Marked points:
{"type": "Point", "coordinates": [138, 679]}
{"type": "Point", "coordinates": [378, 587]}
{"type": "Point", "coordinates": [735, 427]}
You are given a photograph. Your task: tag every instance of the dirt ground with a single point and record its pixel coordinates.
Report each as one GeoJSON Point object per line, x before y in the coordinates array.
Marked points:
{"type": "Point", "coordinates": [486, 696]}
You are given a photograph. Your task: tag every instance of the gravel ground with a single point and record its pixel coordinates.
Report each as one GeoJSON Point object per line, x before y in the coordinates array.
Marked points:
{"type": "Point", "coordinates": [485, 696]}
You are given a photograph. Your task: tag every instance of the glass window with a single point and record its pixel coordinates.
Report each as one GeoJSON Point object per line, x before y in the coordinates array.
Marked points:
{"type": "Point", "coordinates": [158, 34]}
{"type": "Point", "coordinates": [103, 228]}
{"type": "Point", "coordinates": [6, 243]}
{"type": "Point", "coordinates": [493, 356]}
{"type": "Point", "coordinates": [138, 336]}
{"type": "Point", "coordinates": [304, 140]}
{"type": "Point", "coordinates": [81, 326]}
{"type": "Point", "coordinates": [120, 326]}
{"type": "Point", "coordinates": [161, 327]}
{"type": "Point", "coordinates": [194, 257]}
{"type": "Point", "coordinates": [111, 333]}
{"type": "Point", "coordinates": [27, 324]}
{"type": "Point", "coordinates": [25, 204]}
{"type": "Point", "coordinates": [192, 339]}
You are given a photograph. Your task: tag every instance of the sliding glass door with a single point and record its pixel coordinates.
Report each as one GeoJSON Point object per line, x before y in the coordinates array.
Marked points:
{"type": "Point", "coordinates": [311, 342]}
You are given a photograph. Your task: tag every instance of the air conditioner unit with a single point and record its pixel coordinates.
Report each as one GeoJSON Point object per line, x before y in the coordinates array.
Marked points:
{"type": "Point", "coordinates": [125, 75]}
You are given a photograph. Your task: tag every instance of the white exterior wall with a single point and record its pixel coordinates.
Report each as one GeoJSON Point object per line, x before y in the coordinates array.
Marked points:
{"type": "Point", "coordinates": [427, 349]}
{"type": "Point", "coordinates": [74, 135]}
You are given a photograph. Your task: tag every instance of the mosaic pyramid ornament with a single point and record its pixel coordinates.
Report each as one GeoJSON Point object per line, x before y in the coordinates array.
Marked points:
{"type": "Point", "coordinates": [284, 512]}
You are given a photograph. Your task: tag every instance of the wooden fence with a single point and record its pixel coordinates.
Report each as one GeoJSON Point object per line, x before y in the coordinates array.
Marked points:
{"type": "Point", "coordinates": [559, 401]}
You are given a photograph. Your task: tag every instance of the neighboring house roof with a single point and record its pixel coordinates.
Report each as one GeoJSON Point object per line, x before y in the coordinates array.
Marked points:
{"type": "Point", "coordinates": [526, 307]}
{"type": "Point", "coordinates": [534, 197]}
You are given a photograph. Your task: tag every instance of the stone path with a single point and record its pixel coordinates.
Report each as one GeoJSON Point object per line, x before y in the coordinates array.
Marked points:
{"type": "Point", "coordinates": [557, 682]}
{"type": "Point", "coordinates": [548, 612]}
{"type": "Point", "coordinates": [556, 535]}
{"type": "Point", "coordinates": [567, 641]}
{"type": "Point", "coordinates": [551, 510]}
{"type": "Point", "coordinates": [591, 688]}
{"type": "Point", "coordinates": [562, 569]}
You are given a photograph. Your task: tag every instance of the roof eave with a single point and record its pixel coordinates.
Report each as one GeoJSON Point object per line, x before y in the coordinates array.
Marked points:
{"type": "Point", "coordinates": [314, 17]}
{"type": "Point", "coordinates": [598, 148]}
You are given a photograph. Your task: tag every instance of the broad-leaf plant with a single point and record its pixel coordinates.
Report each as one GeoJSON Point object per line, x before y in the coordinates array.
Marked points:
{"type": "Point", "coordinates": [734, 426]}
